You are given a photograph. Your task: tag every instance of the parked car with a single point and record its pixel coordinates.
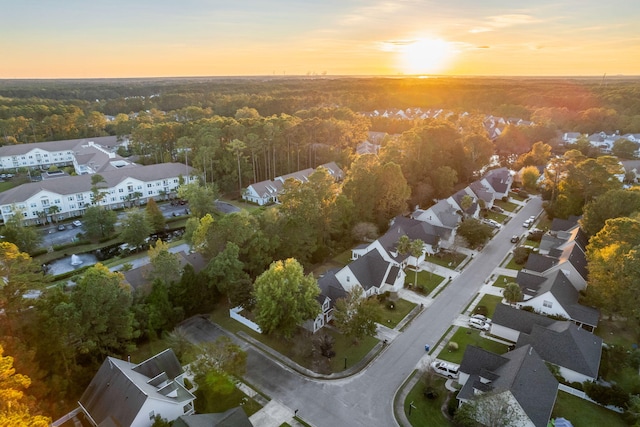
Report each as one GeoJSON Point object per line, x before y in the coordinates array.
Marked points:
{"type": "Point", "coordinates": [515, 238]}
{"type": "Point", "coordinates": [482, 317]}
{"type": "Point", "coordinates": [527, 223]}
{"type": "Point", "coordinates": [479, 324]}
{"type": "Point", "coordinates": [77, 223]}
{"type": "Point", "coordinates": [445, 369]}
{"type": "Point", "coordinates": [61, 227]}
{"type": "Point", "coordinates": [493, 223]}
{"type": "Point", "coordinates": [497, 209]}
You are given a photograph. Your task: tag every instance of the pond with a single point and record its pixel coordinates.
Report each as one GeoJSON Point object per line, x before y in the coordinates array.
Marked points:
{"type": "Point", "coordinates": [70, 263]}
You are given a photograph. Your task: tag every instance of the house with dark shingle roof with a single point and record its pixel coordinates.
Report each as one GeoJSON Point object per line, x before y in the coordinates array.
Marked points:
{"type": "Point", "coordinates": [234, 417]}
{"type": "Point", "coordinates": [330, 292]}
{"type": "Point", "coordinates": [554, 294]}
{"type": "Point", "coordinates": [573, 350]}
{"type": "Point", "coordinates": [373, 273]}
{"type": "Point", "coordinates": [480, 192]}
{"type": "Point", "coordinates": [441, 215]}
{"type": "Point", "coordinates": [125, 394]}
{"type": "Point", "coordinates": [509, 322]}
{"type": "Point", "coordinates": [519, 379]}
{"type": "Point", "coordinates": [498, 181]}
{"type": "Point", "coordinates": [456, 201]}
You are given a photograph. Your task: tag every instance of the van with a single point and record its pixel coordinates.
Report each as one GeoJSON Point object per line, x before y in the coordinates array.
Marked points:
{"type": "Point", "coordinates": [445, 369]}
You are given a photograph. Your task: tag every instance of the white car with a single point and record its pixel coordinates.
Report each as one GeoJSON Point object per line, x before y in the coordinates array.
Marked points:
{"type": "Point", "coordinates": [445, 369]}
{"type": "Point", "coordinates": [493, 223]}
{"type": "Point", "coordinates": [479, 324]}
{"type": "Point", "coordinates": [481, 317]}
{"type": "Point", "coordinates": [77, 223]}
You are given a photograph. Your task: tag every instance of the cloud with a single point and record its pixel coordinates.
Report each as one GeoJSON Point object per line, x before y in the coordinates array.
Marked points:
{"type": "Point", "coordinates": [503, 21]}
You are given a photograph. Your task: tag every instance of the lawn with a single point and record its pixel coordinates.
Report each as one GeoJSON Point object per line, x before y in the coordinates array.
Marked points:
{"type": "Point", "coordinates": [496, 216]}
{"type": "Point", "coordinates": [502, 281]}
{"type": "Point", "coordinates": [617, 332]}
{"type": "Point", "coordinates": [391, 317]}
{"type": "Point", "coordinates": [299, 347]}
{"type": "Point", "coordinates": [446, 259]}
{"type": "Point", "coordinates": [517, 196]}
{"type": "Point", "coordinates": [211, 402]}
{"type": "Point", "coordinates": [583, 413]}
{"type": "Point", "coordinates": [464, 337]}
{"type": "Point", "coordinates": [489, 302]}
{"type": "Point", "coordinates": [7, 185]}
{"type": "Point", "coordinates": [513, 266]}
{"type": "Point", "coordinates": [507, 206]}
{"type": "Point", "coordinates": [427, 281]}
{"type": "Point", "coordinates": [427, 412]}
{"type": "Point", "coordinates": [343, 258]}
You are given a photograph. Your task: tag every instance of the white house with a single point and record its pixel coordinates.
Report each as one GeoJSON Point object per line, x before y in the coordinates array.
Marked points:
{"type": "Point", "coordinates": [126, 394]}
{"type": "Point", "coordinates": [266, 192]}
{"type": "Point", "coordinates": [72, 194]}
{"type": "Point", "coordinates": [373, 273]}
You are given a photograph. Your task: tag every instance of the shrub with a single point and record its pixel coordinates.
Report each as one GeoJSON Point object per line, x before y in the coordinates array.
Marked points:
{"type": "Point", "coordinates": [505, 198]}
{"type": "Point", "coordinates": [453, 346]}
{"type": "Point", "coordinates": [452, 404]}
{"type": "Point", "coordinates": [520, 255]}
{"type": "Point", "coordinates": [604, 395]}
{"type": "Point", "coordinates": [536, 235]}
{"type": "Point", "coordinates": [523, 194]}
{"type": "Point", "coordinates": [528, 308]}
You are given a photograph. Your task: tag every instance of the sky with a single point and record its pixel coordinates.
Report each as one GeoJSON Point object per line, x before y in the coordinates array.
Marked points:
{"type": "Point", "coordinates": [165, 38]}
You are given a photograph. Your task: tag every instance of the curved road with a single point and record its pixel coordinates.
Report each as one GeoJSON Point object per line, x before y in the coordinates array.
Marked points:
{"type": "Point", "coordinates": [366, 398]}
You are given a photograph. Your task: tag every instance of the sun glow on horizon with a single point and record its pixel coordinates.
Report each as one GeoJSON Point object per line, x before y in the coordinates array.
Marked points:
{"type": "Point", "coordinates": [426, 56]}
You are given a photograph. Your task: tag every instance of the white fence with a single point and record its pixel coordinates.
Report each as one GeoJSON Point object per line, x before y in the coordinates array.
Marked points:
{"type": "Point", "coordinates": [234, 313]}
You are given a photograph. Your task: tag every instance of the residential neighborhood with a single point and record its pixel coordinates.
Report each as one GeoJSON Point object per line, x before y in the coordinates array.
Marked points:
{"type": "Point", "coordinates": [332, 266]}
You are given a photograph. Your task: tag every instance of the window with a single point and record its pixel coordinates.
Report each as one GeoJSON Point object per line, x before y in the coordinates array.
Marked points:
{"type": "Point", "coordinates": [56, 201]}
{"type": "Point", "coordinates": [120, 190]}
{"type": "Point", "coordinates": [33, 205]}
{"type": "Point", "coordinates": [547, 304]}
{"type": "Point", "coordinates": [72, 206]}
{"type": "Point", "coordinates": [149, 185]}
{"type": "Point", "coordinates": [70, 198]}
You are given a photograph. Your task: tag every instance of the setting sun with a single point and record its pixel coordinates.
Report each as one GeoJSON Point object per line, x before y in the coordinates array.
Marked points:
{"type": "Point", "coordinates": [426, 56]}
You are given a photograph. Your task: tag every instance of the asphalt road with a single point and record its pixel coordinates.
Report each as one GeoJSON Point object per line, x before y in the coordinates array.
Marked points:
{"type": "Point", "coordinates": [366, 399]}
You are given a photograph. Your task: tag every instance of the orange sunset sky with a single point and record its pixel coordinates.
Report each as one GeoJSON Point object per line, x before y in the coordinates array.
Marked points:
{"type": "Point", "coordinates": [157, 38]}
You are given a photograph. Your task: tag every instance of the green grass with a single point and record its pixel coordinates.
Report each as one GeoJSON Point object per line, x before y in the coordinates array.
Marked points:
{"type": "Point", "coordinates": [7, 185]}
{"type": "Point", "coordinates": [449, 260]}
{"type": "Point", "coordinates": [533, 243]}
{"type": "Point", "coordinates": [210, 402]}
{"type": "Point", "coordinates": [617, 332]}
{"type": "Point", "coordinates": [496, 216]}
{"type": "Point", "coordinates": [299, 347]}
{"type": "Point", "coordinates": [517, 196]}
{"type": "Point", "coordinates": [391, 317]}
{"type": "Point", "coordinates": [513, 266]}
{"type": "Point", "coordinates": [427, 412]}
{"type": "Point", "coordinates": [344, 258]}
{"type": "Point", "coordinates": [464, 337]}
{"type": "Point", "coordinates": [502, 281]}
{"type": "Point", "coordinates": [490, 302]}
{"type": "Point", "coordinates": [583, 413]}
{"type": "Point", "coordinates": [507, 206]}
{"type": "Point", "coordinates": [427, 281]}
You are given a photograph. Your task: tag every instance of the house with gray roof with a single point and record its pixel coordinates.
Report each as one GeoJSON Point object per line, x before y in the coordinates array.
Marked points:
{"type": "Point", "coordinates": [554, 295]}
{"type": "Point", "coordinates": [138, 277]}
{"type": "Point", "coordinates": [519, 379]}
{"type": "Point", "coordinates": [498, 181]}
{"type": "Point", "coordinates": [125, 394]}
{"type": "Point", "coordinates": [373, 273]}
{"type": "Point", "coordinates": [479, 191]}
{"type": "Point", "coordinates": [72, 194]}
{"type": "Point", "coordinates": [573, 350]}
{"type": "Point", "coordinates": [234, 417]}
{"type": "Point", "coordinates": [330, 292]}
{"type": "Point", "coordinates": [509, 322]}
{"type": "Point", "coordinates": [442, 215]}
{"type": "Point", "coordinates": [570, 258]}
{"type": "Point", "coordinates": [456, 201]}
{"type": "Point", "coordinates": [266, 192]}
